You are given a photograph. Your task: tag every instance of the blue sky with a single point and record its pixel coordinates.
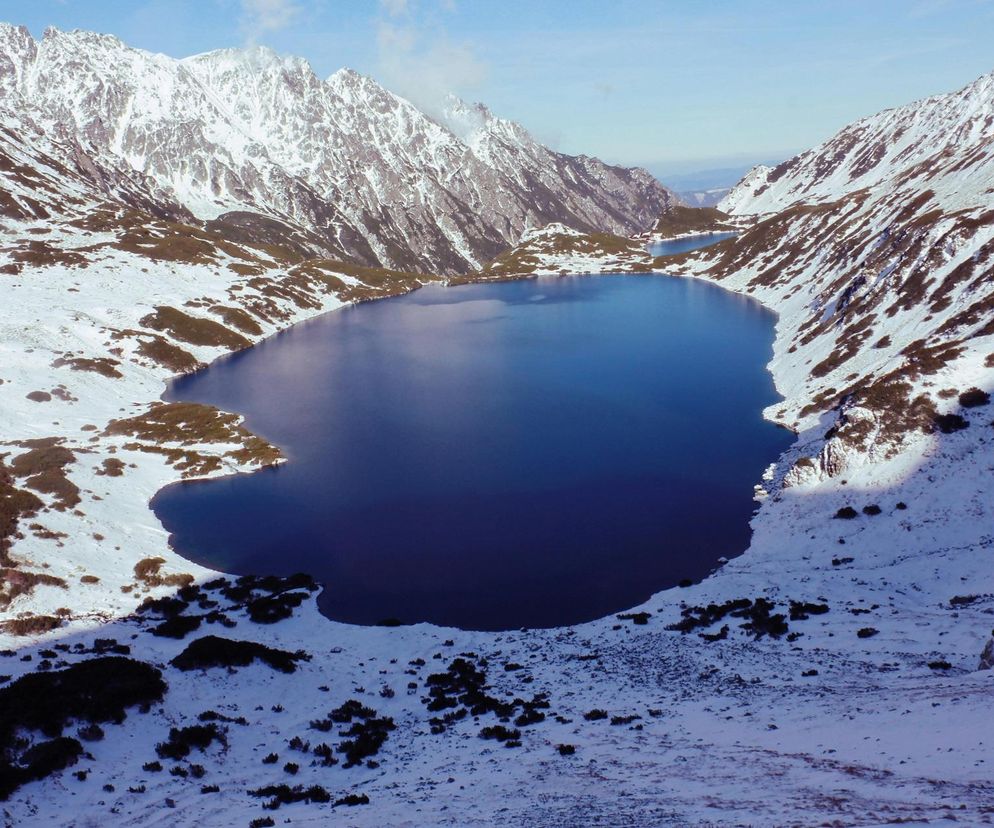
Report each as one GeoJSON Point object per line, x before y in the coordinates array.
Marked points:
{"type": "Point", "coordinates": [673, 84]}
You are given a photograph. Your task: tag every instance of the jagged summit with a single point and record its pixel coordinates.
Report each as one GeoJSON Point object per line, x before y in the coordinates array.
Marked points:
{"type": "Point", "coordinates": [363, 172]}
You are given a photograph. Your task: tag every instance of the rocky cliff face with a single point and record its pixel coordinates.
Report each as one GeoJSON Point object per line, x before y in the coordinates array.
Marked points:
{"type": "Point", "coordinates": [342, 164]}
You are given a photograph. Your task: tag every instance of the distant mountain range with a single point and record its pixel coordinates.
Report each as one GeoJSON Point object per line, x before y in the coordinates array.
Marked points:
{"type": "Point", "coordinates": [255, 143]}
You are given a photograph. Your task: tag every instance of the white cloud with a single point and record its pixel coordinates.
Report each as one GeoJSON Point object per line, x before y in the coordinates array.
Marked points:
{"type": "Point", "coordinates": [261, 17]}
{"type": "Point", "coordinates": [417, 59]}
{"type": "Point", "coordinates": [394, 8]}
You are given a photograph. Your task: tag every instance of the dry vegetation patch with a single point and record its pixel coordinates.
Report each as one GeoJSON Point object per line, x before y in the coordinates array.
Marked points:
{"type": "Point", "coordinates": [104, 366]}
{"type": "Point", "coordinates": [193, 329]}
{"type": "Point", "coordinates": [193, 424]}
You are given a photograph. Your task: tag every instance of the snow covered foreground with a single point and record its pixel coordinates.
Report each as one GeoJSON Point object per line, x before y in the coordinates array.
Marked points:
{"type": "Point", "coordinates": [869, 712]}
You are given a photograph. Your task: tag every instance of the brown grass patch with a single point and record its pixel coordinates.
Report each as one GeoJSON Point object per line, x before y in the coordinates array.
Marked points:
{"type": "Point", "coordinates": [31, 625]}
{"type": "Point", "coordinates": [238, 318]}
{"type": "Point", "coordinates": [98, 365]}
{"type": "Point", "coordinates": [188, 424]}
{"type": "Point", "coordinates": [679, 220]}
{"type": "Point", "coordinates": [44, 468]}
{"type": "Point", "coordinates": [193, 329]}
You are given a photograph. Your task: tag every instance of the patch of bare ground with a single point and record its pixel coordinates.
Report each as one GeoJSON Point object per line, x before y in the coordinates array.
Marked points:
{"type": "Point", "coordinates": [148, 573]}
{"type": "Point", "coordinates": [142, 234]}
{"type": "Point", "coordinates": [111, 467]}
{"type": "Point", "coordinates": [238, 318]}
{"type": "Point", "coordinates": [160, 350]}
{"type": "Point", "coordinates": [524, 260]}
{"type": "Point", "coordinates": [16, 504]}
{"type": "Point", "coordinates": [678, 220]}
{"type": "Point", "coordinates": [31, 624]}
{"type": "Point", "coordinates": [193, 329]}
{"type": "Point", "coordinates": [43, 467]}
{"type": "Point", "coordinates": [104, 366]}
{"type": "Point", "coordinates": [40, 253]}
{"type": "Point", "coordinates": [170, 429]}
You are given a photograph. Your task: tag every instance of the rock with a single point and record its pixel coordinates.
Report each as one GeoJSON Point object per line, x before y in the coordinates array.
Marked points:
{"type": "Point", "coordinates": [987, 656]}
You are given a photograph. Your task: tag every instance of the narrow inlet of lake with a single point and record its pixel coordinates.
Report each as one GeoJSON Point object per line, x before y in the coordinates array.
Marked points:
{"type": "Point", "coordinates": [523, 454]}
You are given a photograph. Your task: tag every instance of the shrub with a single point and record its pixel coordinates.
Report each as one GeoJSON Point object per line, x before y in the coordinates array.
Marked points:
{"type": "Point", "coordinates": [214, 651]}
{"type": "Point", "coordinates": [178, 627]}
{"type": "Point", "coordinates": [948, 423]}
{"type": "Point", "coordinates": [91, 732]}
{"type": "Point", "coordinates": [566, 750]}
{"type": "Point", "coordinates": [974, 398]}
{"type": "Point", "coordinates": [872, 510]}
{"type": "Point", "coordinates": [846, 513]}
{"type": "Point", "coordinates": [98, 690]}
{"type": "Point", "coordinates": [635, 617]}
{"type": "Point", "coordinates": [500, 733]}
{"type": "Point", "coordinates": [595, 715]}
{"type": "Point", "coordinates": [867, 632]}
{"type": "Point", "coordinates": [284, 795]}
{"type": "Point", "coordinates": [182, 740]}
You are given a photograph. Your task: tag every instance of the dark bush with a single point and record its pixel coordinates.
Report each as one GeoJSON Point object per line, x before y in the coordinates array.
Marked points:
{"type": "Point", "coordinates": [500, 733]}
{"type": "Point", "coordinates": [214, 651]}
{"type": "Point", "coordinates": [846, 513]}
{"type": "Point", "coordinates": [271, 759]}
{"type": "Point", "coordinates": [152, 767]}
{"type": "Point", "coordinates": [595, 715]}
{"type": "Point", "coordinates": [948, 423]}
{"type": "Point", "coordinates": [284, 795]}
{"type": "Point", "coordinates": [901, 505]}
{"type": "Point", "coordinates": [182, 740]}
{"type": "Point", "coordinates": [91, 732]}
{"type": "Point", "coordinates": [635, 617]}
{"type": "Point", "coordinates": [98, 690]}
{"type": "Point", "coordinates": [871, 510]}
{"type": "Point", "coordinates": [366, 737]}
{"type": "Point", "coordinates": [867, 632]}
{"type": "Point", "coordinates": [179, 626]}
{"type": "Point", "coordinates": [940, 665]}
{"type": "Point", "coordinates": [262, 822]}
{"type": "Point", "coordinates": [802, 610]}
{"type": "Point", "coordinates": [352, 799]}
{"type": "Point", "coordinates": [566, 750]}
{"type": "Point", "coordinates": [274, 608]}
{"type": "Point", "coordinates": [291, 768]}
{"type": "Point", "coordinates": [974, 398]}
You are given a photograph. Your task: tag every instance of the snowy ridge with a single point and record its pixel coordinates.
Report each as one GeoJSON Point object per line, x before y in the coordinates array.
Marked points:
{"type": "Point", "coordinates": [362, 172]}
{"type": "Point", "coordinates": [908, 147]}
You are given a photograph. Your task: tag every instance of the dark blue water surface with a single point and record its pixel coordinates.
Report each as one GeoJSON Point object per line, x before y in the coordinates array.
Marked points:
{"type": "Point", "coordinates": [531, 453]}
{"type": "Point", "coordinates": [687, 243]}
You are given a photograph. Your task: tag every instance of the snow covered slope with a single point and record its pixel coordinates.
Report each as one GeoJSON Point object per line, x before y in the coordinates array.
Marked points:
{"type": "Point", "coordinates": [942, 143]}
{"type": "Point", "coordinates": [360, 172]}
{"type": "Point", "coordinates": [829, 675]}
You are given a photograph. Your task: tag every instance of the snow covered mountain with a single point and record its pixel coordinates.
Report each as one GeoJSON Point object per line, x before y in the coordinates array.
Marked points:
{"type": "Point", "coordinates": [942, 144]}
{"type": "Point", "coordinates": [877, 248]}
{"type": "Point", "coordinates": [354, 170]}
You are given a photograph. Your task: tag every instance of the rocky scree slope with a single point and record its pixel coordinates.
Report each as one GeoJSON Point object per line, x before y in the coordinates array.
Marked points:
{"type": "Point", "coordinates": [341, 166]}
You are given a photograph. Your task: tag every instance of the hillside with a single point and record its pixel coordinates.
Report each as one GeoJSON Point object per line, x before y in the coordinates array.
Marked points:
{"type": "Point", "coordinates": [829, 675]}
{"type": "Point", "coordinates": [345, 167]}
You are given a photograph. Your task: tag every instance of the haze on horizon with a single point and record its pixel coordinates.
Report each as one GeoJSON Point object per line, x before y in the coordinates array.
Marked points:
{"type": "Point", "coordinates": [674, 86]}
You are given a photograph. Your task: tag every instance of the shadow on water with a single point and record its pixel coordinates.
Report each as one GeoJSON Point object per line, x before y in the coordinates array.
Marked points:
{"type": "Point", "coordinates": [533, 453]}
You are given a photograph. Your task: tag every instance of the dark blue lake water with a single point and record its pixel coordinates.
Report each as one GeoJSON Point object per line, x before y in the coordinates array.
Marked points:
{"type": "Point", "coordinates": [532, 453]}
{"type": "Point", "coordinates": [687, 243]}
